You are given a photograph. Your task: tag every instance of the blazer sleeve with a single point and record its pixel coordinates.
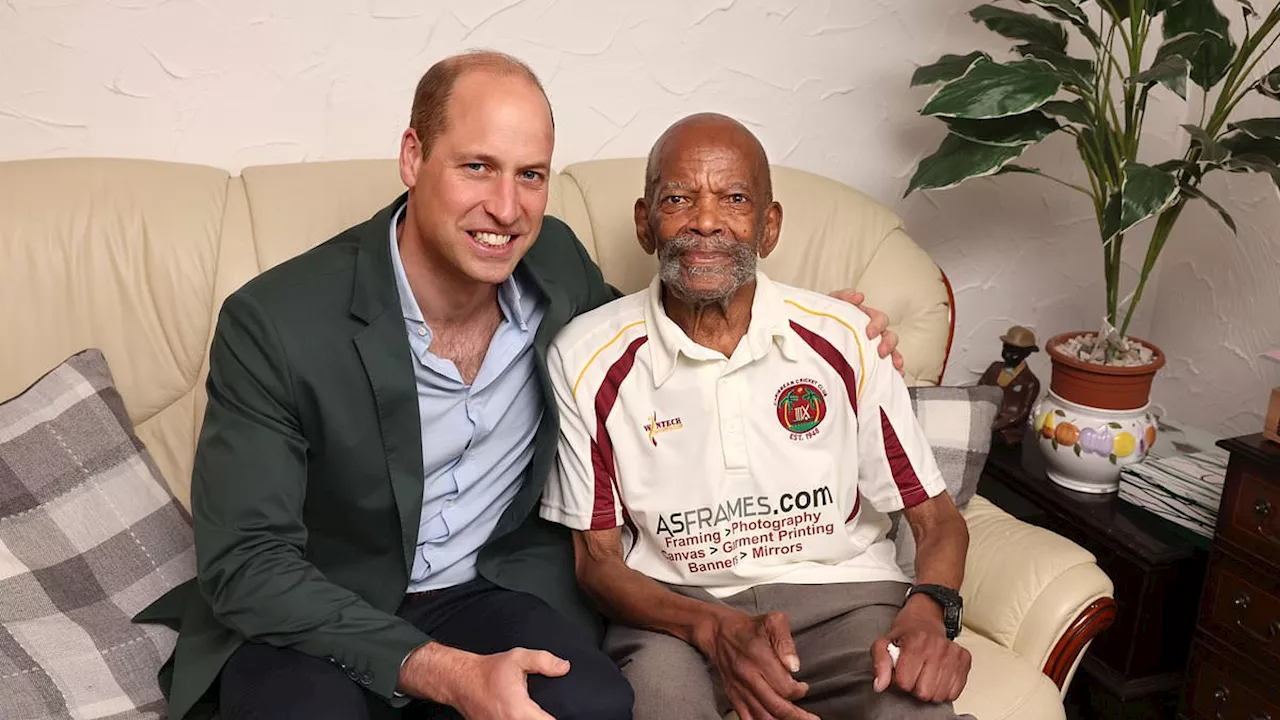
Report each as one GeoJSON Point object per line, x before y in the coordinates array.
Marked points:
{"type": "Point", "coordinates": [248, 489]}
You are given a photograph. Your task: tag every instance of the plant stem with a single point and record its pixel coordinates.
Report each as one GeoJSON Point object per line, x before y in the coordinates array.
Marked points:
{"type": "Point", "coordinates": [1164, 226]}
{"type": "Point", "coordinates": [1110, 257]}
{"type": "Point", "coordinates": [1064, 183]}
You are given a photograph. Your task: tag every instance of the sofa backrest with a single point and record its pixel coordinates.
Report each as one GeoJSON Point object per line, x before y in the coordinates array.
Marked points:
{"type": "Point", "coordinates": [135, 257]}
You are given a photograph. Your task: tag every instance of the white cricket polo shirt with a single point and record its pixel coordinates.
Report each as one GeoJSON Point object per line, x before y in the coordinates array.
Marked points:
{"type": "Point", "coordinates": [776, 464]}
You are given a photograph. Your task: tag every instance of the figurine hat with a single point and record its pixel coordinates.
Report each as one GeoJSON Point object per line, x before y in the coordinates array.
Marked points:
{"type": "Point", "coordinates": [1019, 336]}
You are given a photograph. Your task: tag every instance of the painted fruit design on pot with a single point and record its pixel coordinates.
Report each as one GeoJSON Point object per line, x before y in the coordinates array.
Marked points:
{"type": "Point", "coordinates": [1110, 441]}
{"type": "Point", "coordinates": [1124, 445]}
{"type": "Point", "coordinates": [1096, 441]}
{"type": "Point", "coordinates": [1045, 425]}
{"type": "Point", "coordinates": [1067, 434]}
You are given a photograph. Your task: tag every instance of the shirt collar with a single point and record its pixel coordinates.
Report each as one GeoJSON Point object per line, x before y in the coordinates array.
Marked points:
{"type": "Point", "coordinates": [510, 295]}
{"type": "Point", "coordinates": [667, 341]}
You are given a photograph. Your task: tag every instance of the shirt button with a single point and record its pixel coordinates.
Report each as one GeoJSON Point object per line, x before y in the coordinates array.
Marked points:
{"type": "Point", "coordinates": [422, 332]}
{"type": "Point", "coordinates": [449, 503]}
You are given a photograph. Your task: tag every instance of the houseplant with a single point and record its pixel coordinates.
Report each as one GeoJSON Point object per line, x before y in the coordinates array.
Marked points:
{"type": "Point", "coordinates": [995, 110]}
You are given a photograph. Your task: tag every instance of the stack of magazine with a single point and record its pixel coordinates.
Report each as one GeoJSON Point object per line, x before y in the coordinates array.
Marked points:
{"type": "Point", "coordinates": [1185, 489]}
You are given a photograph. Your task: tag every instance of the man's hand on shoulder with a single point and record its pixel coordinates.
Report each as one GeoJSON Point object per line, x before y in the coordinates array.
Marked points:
{"type": "Point", "coordinates": [479, 686]}
{"type": "Point", "coordinates": [879, 325]}
{"type": "Point", "coordinates": [755, 656]}
{"type": "Point", "coordinates": [929, 666]}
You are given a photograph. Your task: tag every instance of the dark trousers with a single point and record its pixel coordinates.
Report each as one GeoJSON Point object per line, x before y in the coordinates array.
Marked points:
{"type": "Point", "coordinates": [262, 682]}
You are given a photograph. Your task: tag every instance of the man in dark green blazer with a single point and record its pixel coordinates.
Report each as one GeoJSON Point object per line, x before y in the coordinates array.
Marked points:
{"type": "Point", "coordinates": [379, 431]}
{"type": "Point", "coordinates": [314, 509]}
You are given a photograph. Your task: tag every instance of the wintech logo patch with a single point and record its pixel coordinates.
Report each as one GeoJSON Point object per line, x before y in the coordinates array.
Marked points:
{"type": "Point", "coordinates": [655, 427]}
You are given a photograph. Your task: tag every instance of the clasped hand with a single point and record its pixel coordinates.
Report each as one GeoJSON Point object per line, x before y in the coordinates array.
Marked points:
{"type": "Point", "coordinates": [930, 667]}
{"type": "Point", "coordinates": [755, 657]}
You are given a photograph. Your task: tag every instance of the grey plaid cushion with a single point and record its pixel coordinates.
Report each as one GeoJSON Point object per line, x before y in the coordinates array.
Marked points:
{"type": "Point", "coordinates": [957, 421]}
{"type": "Point", "coordinates": [89, 536]}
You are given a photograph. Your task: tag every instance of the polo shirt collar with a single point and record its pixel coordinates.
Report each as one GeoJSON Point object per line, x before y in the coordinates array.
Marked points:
{"type": "Point", "coordinates": [667, 341]}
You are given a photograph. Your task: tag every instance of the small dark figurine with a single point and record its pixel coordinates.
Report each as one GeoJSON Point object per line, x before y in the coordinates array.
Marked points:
{"type": "Point", "coordinates": [1021, 388]}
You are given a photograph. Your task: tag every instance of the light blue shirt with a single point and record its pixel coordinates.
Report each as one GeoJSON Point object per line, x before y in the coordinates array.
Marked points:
{"type": "Point", "coordinates": [477, 440]}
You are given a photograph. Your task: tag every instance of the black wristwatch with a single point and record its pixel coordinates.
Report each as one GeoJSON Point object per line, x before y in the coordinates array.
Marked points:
{"type": "Point", "coordinates": [951, 602]}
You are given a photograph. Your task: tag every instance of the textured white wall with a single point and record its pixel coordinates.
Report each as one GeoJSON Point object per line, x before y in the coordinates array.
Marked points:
{"type": "Point", "coordinates": [1219, 299]}
{"type": "Point", "coordinates": [824, 83]}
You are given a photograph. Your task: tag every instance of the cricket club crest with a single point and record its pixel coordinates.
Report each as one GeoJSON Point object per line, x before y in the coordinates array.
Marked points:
{"type": "Point", "coordinates": [801, 407]}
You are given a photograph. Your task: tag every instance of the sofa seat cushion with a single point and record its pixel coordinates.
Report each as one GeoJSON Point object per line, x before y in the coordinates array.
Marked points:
{"type": "Point", "coordinates": [1004, 686]}
{"type": "Point", "coordinates": [89, 536]}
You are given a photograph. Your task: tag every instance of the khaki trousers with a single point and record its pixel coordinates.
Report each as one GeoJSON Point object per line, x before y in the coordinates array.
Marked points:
{"type": "Point", "coordinates": [833, 627]}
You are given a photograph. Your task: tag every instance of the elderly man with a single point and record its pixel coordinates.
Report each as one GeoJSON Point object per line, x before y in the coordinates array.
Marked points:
{"type": "Point", "coordinates": [376, 441]}
{"type": "Point", "coordinates": [729, 449]}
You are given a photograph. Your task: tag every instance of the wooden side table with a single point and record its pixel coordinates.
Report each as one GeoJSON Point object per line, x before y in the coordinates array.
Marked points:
{"type": "Point", "coordinates": [1134, 669]}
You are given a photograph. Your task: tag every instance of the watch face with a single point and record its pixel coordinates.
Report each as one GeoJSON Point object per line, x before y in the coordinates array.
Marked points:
{"type": "Point", "coordinates": [956, 614]}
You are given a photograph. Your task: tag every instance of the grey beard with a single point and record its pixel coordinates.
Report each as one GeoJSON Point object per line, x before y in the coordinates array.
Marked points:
{"type": "Point", "coordinates": [672, 272]}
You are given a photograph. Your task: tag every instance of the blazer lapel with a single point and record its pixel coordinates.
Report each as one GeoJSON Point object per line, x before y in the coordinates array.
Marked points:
{"type": "Point", "coordinates": [384, 352]}
{"type": "Point", "coordinates": [559, 312]}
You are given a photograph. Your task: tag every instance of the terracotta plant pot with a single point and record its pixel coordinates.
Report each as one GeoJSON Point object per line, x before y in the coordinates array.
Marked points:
{"type": "Point", "coordinates": [1101, 386]}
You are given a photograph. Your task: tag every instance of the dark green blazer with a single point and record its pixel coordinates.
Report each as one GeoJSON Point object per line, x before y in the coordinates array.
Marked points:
{"type": "Point", "coordinates": [308, 477]}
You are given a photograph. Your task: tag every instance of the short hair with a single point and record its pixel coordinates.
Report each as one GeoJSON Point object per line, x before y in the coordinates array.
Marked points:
{"type": "Point", "coordinates": [429, 116]}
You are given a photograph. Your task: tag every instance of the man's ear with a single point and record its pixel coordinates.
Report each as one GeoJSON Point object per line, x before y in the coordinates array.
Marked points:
{"type": "Point", "coordinates": [410, 158]}
{"type": "Point", "coordinates": [772, 227]}
{"type": "Point", "coordinates": [642, 226]}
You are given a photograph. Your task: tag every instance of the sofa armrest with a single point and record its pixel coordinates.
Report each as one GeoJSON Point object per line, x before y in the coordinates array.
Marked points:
{"type": "Point", "coordinates": [1033, 591]}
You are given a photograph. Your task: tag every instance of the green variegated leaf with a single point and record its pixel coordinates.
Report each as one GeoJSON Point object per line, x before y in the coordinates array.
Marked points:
{"type": "Point", "coordinates": [1022, 26]}
{"type": "Point", "coordinates": [1242, 145]}
{"type": "Point", "coordinates": [1070, 11]}
{"type": "Point", "coordinates": [1024, 129]}
{"type": "Point", "coordinates": [1256, 164]}
{"type": "Point", "coordinates": [1184, 45]}
{"type": "Point", "coordinates": [1222, 212]}
{"type": "Point", "coordinates": [1073, 71]}
{"type": "Point", "coordinates": [1170, 71]}
{"type": "Point", "coordinates": [1118, 9]}
{"type": "Point", "coordinates": [1270, 85]}
{"type": "Point", "coordinates": [1012, 168]}
{"type": "Point", "coordinates": [1210, 63]}
{"type": "Point", "coordinates": [1063, 10]}
{"type": "Point", "coordinates": [1180, 166]}
{"type": "Point", "coordinates": [991, 90]}
{"type": "Point", "coordinates": [1147, 192]}
{"type": "Point", "coordinates": [1111, 217]}
{"type": "Point", "coordinates": [1258, 127]}
{"type": "Point", "coordinates": [1210, 150]}
{"type": "Point", "coordinates": [1075, 111]}
{"type": "Point", "coordinates": [957, 160]}
{"type": "Point", "coordinates": [947, 68]}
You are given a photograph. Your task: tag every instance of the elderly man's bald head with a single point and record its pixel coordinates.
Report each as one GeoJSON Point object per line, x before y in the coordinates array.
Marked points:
{"type": "Point", "coordinates": [702, 130]}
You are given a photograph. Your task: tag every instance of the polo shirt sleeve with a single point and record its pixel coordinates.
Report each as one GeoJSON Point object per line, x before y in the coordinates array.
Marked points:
{"type": "Point", "coordinates": [574, 496]}
{"type": "Point", "coordinates": [896, 466]}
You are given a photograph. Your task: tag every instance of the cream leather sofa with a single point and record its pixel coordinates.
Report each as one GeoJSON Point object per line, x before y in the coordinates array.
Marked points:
{"type": "Point", "coordinates": [135, 257]}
